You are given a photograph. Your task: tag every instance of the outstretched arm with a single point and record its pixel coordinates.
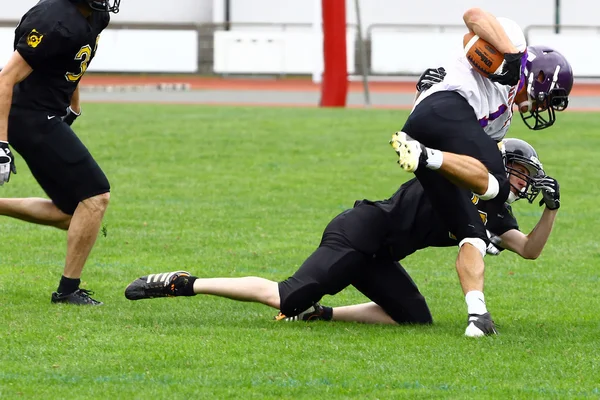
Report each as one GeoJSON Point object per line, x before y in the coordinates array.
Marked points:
{"type": "Point", "coordinates": [530, 246]}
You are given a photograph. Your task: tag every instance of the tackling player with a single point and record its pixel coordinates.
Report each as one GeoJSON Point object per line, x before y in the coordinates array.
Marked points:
{"type": "Point", "coordinates": [360, 247]}
{"type": "Point", "coordinates": [450, 138]}
{"type": "Point", "coordinates": [55, 42]}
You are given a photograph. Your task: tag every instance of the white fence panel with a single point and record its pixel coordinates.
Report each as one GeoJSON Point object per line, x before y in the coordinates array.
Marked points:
{"type": "Point", "coordinates": [273, 52]}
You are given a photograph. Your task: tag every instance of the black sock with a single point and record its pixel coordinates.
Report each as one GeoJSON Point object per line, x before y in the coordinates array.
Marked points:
{"type": "Point", "coordinates": [188, 288]}
{"type": "Point", "coordinates": [327, 314]}
{"type": "Point", "coordinates": [68, 285]}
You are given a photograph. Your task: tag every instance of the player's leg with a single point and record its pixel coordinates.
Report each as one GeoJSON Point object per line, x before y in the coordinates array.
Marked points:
{"type": "Point", "coordinates": [396, 298]}
{"type": "Point", "coordinates": [23, 132]}
{"type": "Point", "coordinates": [446, 122]}
{"type": "Point", "coordinates": [457, 210]}
{"type": "Point", "coordinates": [72, 179]}
{"type": "Point", "coordinates": [387, 283]}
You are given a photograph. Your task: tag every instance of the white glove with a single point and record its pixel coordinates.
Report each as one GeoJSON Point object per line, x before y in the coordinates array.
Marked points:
{"type": "Point", "coordinates": [7, 163]}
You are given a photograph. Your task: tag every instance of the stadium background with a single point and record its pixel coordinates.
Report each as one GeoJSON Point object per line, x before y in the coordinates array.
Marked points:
{"type": "Point", "coordinates": [261, 42]}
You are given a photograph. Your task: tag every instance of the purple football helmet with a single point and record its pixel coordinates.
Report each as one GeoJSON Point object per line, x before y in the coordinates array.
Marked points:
{"type": "Point", "coordinates": [549, 82]}
{"type": "Point", "coordinates": [101, 5]}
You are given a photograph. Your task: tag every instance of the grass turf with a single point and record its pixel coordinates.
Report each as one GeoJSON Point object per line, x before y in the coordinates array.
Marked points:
{"type": "Point", "coordinates": [225, 191]}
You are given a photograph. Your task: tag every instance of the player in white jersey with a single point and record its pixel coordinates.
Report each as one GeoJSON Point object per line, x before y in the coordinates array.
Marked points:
{"type": "Point", "coordinates": [491, 101]}
{"type": "Point", "coordinates": [462, 118]}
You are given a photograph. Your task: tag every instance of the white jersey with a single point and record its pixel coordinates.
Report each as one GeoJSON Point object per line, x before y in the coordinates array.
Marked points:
{"type": "Point", "coordinates": [491, 101]}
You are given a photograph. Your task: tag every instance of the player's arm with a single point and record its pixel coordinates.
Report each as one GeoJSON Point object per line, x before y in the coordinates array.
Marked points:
{"type": "Point", "coordinates": [75, 105]}
{"type": "Point", "coordinates": [15, 70]}
{"type": "Point", "coordinates": [530, 246]}
{"type": "Point", "coordinates": [487, 27]}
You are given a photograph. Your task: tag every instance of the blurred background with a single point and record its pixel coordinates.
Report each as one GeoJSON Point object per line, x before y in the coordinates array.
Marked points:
{"type": "Point", "coordinates": [386, 40]}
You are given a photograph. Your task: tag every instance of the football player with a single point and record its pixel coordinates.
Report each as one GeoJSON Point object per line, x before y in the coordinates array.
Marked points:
{"type": "Point", "coordinates": [54, 44]}
{"type": "Point", "coordinates": [361, 246]}
{"type": "Point", "coordinates": [449, 140]}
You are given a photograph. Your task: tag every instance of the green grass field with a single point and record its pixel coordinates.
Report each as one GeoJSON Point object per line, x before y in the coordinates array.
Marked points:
{"type": "Point", "coordinates": [247, 191]}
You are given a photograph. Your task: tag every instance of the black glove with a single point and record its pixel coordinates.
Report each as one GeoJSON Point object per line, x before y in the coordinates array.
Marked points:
{"type": "Point", "coordinates": [494, 248]}
{"type": "Point", "coordinates": [71, 116]}
{"type": "Point", "coordinates": [550, 192]}
{"type": "Point", "coordinates": [511, 71]}
{"type": "Point", "coordinates": [430, 77]}
{"type": "Point", "coordinates": [7, 163]}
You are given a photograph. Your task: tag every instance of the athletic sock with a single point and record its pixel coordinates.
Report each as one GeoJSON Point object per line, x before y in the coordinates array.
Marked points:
{"type": "Point", "coordinates": [435, 158]}
{"type": "Point", "coordinates": [68, 285]}
{"type": "Point", "coordinates": [327, 314]}
{"type": "Point", "coordinates": [475, 302]}
{"type": "Point", "coordinates": [188, 288]}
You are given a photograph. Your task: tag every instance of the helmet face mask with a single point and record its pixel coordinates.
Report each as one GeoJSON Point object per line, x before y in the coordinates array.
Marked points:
{"type": "Point", "coordinates": [519, 152]}
{"type": "Point", "coordinates": [549, 82]}
{"type": "Point", "coordinates": [102, 5]}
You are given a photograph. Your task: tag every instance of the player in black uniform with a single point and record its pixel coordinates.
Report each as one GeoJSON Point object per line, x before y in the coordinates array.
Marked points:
{"type": "Point", "coordinates": [360, 247]}
{"type": "Point", "coordinates": [39, 99]}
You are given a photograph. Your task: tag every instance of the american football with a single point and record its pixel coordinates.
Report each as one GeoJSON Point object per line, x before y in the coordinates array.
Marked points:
{"type": "Point", "coordinates": [484, 58]}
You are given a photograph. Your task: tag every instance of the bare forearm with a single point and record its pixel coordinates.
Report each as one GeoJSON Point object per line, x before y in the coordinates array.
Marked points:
{"type": "Point", "coordinates": [537, 238]}
{"type": "Point", "coordinates": [487, 27]}
{"type": "Point", "coordinates": [466, 172]}
{"type": "Point", "coordinates": [75, 104]}
{"type": "Point", "coordinates": [6, 91]}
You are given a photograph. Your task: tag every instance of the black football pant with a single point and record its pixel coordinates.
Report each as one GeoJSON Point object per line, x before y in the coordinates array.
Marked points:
{"type": "Point", "coordinates": [347, 256]}
{"type": "Point", "coordinates": [445, 121]}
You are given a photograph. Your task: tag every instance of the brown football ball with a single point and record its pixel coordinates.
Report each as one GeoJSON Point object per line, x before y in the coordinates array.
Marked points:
{"type": "Point", "coordinates": [483, 57]}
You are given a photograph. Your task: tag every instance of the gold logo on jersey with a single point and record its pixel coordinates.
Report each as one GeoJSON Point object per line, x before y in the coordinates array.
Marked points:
{"type": "Point", "coordinates": [34, 39]}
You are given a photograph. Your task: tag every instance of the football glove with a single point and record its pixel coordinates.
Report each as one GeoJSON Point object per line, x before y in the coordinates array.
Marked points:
{"type": "Point", "coordinates": [7, 163]}
{"type": "Point", "coordinates": [430, 77]}
{"type": "Point", "coordinates": [550, 192]}
{"type": "Point", "coordinates": [511, 71]}
{"type": "Point", "coordinates": [493, 248]}
{"type": "Point", "coordinates": [71, 116]}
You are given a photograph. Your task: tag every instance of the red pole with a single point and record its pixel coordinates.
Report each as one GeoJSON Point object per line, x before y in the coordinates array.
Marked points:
{"type": "Point", "coordinates": [334, 87]}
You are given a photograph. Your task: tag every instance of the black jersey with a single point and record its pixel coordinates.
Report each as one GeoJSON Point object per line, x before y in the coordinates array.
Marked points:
{"type": "Point", "coordinates": [59, 43]}
{"type": "Point", "coordinates": [414, 224]}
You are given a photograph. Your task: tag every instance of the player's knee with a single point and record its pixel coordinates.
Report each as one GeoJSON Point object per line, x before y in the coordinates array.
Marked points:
{"type": "Point", "coordinates": [493, 188]}
{"type": "Point", "coordinates": [292, 303]}
{"type": "Point", "coordinates": [98, 203]}
{"type": "Point", "coordinates": [414, 311]}
{"type": "Point", "coordinates": [478, 243]}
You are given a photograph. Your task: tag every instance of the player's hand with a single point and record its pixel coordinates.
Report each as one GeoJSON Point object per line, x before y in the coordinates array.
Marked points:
{"type": "Point", "coordinates": [511, 71]}
{"type": "Point", "coordinates": [71, 116]}
{"type": "Point", "coordinates": [494, 247]}
{"type": "Point", "coordinates": [550, 192]}
{"type": "Point", "coordinates": [430, 77]}
{"type": "Point", "coordinates": [7, 163]}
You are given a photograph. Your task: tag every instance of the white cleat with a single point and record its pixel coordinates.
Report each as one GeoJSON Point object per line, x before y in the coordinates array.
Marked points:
{"type": "Point", "coordinates": [409, 151]}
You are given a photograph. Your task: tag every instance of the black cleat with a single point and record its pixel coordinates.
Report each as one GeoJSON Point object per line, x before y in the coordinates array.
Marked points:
{"type": "Point", "coordinates": [480, 325]}
{"type": "Point", "coordinates": [80, 297]}
{"type": "Point", "coordinates": [314, 313]}
{"type": "Point", "coordinates": [166, 284]}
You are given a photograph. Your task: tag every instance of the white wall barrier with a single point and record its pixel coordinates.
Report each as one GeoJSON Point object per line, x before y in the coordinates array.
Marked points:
{"type": "Point", "coordinates": [300, 52]}
{"type": "Point", "coordinates": [575, 47]}
{"type": "Point", "coordinates": [241, 51]}
{"type": "Point", "coordinates": [398, 53]}
{"type": "Point", "coordinates": [410, 53]}
{"type": "Point", "coordinates": [133, 50]}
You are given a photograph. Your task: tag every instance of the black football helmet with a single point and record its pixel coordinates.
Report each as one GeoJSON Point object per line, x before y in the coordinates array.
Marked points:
{"type": "Point", "coordinates": [520, 152]}
{"type": "Point", "coordinates": [549, 82]}
{"type": "Point", "coordinates": [101, 5]}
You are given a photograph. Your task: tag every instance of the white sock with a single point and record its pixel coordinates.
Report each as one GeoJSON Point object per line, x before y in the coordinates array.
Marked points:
{"type": "Point", "coordinates": [475, 302]}
{"type": "Point", "coordinates": [434, 158]}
